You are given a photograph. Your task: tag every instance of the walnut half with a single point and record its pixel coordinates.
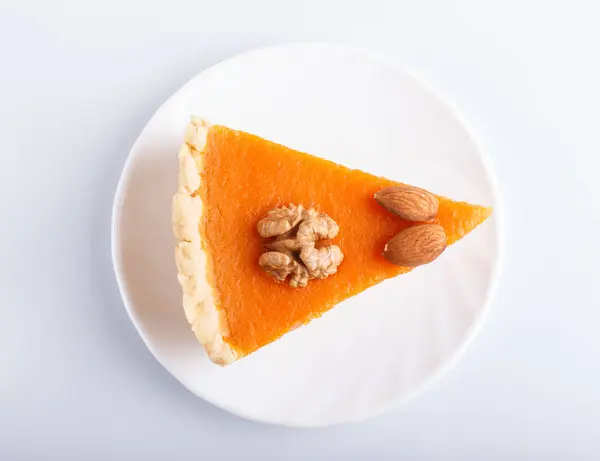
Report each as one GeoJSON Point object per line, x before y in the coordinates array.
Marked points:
{"type": "Point", "coordinates": [294, 231]}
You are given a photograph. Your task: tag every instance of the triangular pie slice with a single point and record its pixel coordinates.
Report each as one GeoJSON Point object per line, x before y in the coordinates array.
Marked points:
{"type": "Point", "coordinates": [228, 181]}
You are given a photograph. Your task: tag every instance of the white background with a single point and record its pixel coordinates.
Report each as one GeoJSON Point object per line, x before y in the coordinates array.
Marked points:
{"type": "Point", "coordinates": [78, 81]}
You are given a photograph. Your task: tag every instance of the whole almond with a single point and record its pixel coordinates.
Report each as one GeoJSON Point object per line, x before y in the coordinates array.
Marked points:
{"type": "Point", "coordinates": [408, 202]}
{"type": "Point", "coordinates": [416, 245]}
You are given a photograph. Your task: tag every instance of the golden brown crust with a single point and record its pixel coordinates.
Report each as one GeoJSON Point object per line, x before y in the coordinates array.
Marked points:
{"type": "Point", "coordinates": [207, 321]}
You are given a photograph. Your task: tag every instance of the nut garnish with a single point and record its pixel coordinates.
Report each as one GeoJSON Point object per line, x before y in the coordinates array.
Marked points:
{"type": "Point", "coordinates": [292, 252]}
{"type": "Point", "coordinates": [416, 245]}
{"type": "Point", "coordinates": [280, 220]}
{"type": "Point", "coordinates": [408, 202]}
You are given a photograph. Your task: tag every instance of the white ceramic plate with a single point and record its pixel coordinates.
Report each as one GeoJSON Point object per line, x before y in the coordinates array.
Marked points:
{"type": "Point", "coordinates": [374, 350]}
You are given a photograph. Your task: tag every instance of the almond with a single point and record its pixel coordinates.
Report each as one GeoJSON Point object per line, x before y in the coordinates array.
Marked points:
{"type": "Point", "coordinates": [408, 202]}
{"type": "Point", "coordinates": [416, 245]}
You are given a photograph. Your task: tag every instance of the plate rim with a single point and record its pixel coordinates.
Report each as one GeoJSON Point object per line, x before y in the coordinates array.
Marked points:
{"type": "Point", "coordinates": [479, 319]}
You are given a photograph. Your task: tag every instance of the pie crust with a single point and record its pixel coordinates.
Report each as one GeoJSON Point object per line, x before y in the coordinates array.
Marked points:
{"type": "Point", "coordinates": [208, 322]}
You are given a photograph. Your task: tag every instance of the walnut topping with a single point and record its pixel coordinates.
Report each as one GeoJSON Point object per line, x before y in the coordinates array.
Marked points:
{"type": "Point", "coordinates": [292, 251]}
{"type": "Point", "coordinates": [280, 221]}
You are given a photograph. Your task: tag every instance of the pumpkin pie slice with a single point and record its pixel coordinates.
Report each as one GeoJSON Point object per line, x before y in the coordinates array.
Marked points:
{"type": "Point", "coordinates": [228, 182]}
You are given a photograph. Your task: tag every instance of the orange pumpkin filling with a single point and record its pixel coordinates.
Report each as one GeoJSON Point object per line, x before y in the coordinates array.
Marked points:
{"type": "Point", "coordinates": [244, 177]}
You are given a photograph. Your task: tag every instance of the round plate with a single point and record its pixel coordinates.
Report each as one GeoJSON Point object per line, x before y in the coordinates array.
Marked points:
{"type": "Point", "coordinates": [373, 350]}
